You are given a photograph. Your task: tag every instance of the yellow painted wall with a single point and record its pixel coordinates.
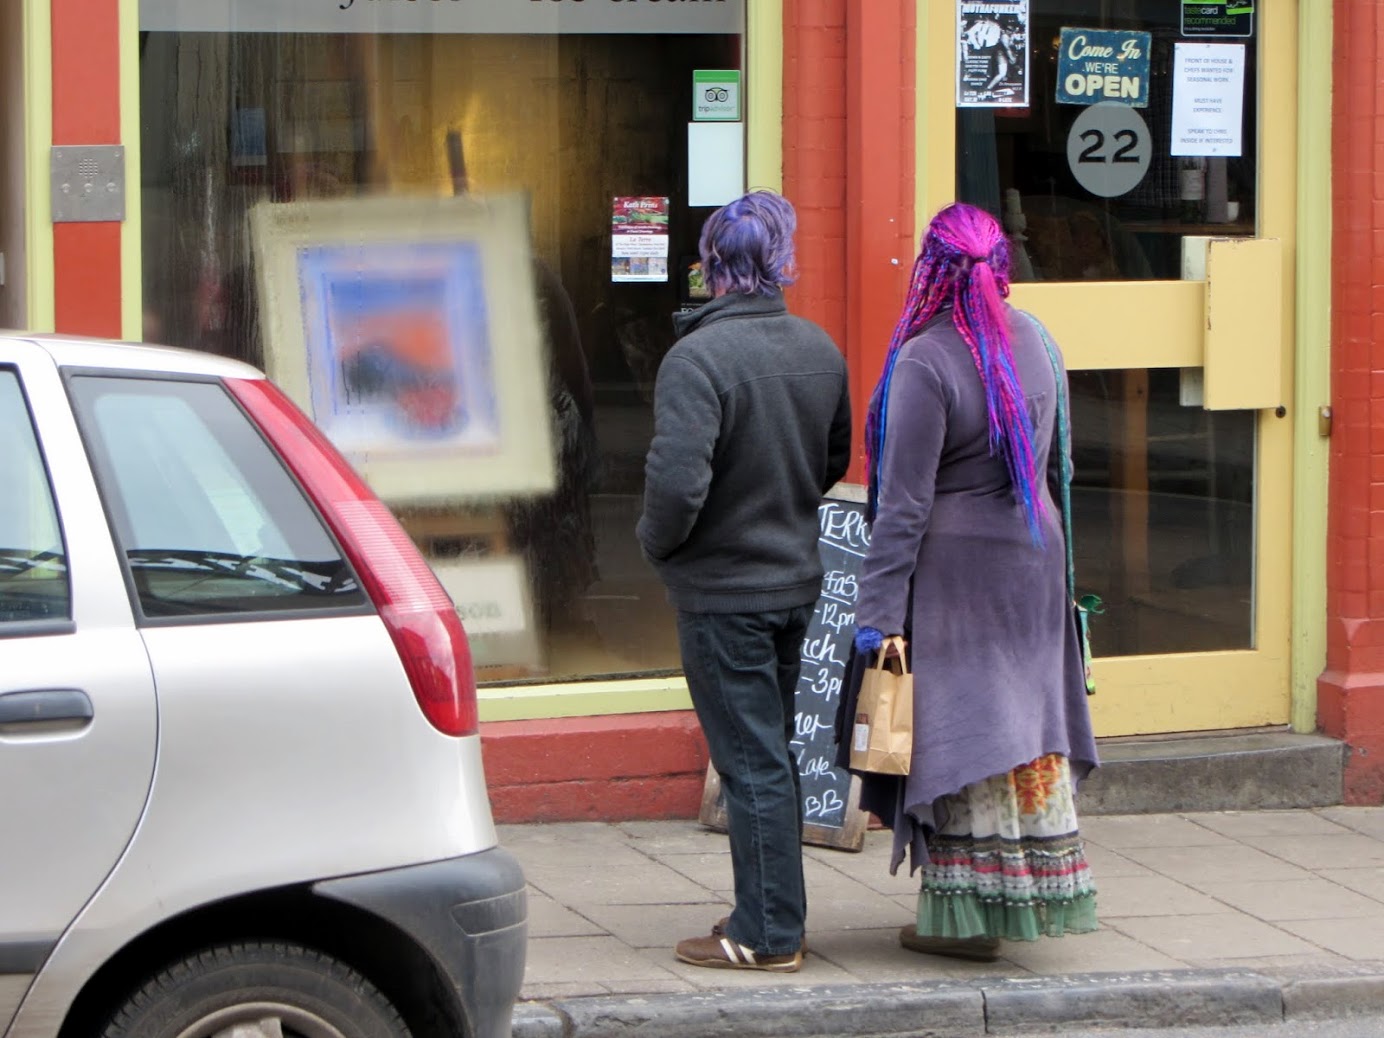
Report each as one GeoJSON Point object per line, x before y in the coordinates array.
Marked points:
{"type": "Point", "coordinates": [38, 133]}
{"type": "Point", "coordinates": [1313, 359]}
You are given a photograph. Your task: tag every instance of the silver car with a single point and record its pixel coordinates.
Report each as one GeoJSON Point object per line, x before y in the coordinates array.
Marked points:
{"type": "Point", "coordinates": [241, 792]}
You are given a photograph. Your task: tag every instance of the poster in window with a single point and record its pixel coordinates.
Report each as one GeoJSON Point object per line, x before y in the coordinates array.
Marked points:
{"type": "Point", "coordinates": [992, 54]}
{"type": "Point", "coordinates": [408, 330]}
{"type": "Point", "coordinates": [639, 239]}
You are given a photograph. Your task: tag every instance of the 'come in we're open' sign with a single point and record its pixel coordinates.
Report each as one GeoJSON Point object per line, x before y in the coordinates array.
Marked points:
{"type": "Point", "coordinates": [1097, 65]}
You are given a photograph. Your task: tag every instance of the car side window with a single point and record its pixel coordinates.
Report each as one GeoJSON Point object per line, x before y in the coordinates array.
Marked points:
{"type": "Point", "coordinates": [33, 560]}
{"type": "Point", "coordinates": [210, 522]}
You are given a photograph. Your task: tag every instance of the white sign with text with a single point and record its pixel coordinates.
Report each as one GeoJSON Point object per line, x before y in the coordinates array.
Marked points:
{"type": "Point", "coordinates": [1208, 99]}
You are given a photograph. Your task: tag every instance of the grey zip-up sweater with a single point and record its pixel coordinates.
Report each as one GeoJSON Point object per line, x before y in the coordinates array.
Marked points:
{"type": "Point", "coordinates": [752, 425]}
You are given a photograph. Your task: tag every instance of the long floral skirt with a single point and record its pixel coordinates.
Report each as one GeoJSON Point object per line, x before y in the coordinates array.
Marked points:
{"type": "Point", "coordinates": [1008, 861]}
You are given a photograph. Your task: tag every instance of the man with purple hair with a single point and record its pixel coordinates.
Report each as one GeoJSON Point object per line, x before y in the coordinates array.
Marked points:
{"type": "Point", "coordinates": [752, 425]}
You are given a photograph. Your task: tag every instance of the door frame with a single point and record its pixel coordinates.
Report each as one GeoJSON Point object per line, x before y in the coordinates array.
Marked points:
{"type": "Point", "coordinates": [1151, 694]}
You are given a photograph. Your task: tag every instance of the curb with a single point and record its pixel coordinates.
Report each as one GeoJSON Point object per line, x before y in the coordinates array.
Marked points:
{"type": "Point", "coordinates": [962, 1009]}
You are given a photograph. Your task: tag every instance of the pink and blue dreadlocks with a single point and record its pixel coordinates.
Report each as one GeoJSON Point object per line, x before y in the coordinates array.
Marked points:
{"type": "Point", "coordinates": [964, 265]}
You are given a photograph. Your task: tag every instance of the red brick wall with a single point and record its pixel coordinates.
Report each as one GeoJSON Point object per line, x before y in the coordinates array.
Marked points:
{"type": "Point", "coordinates": [595, 768]}
{"type": "Point", "coordinates": [848, 138]}
{"type": "Point", "coordinates": [814, 156]}
{"type": "Point", "coordinates": [1351, 691]}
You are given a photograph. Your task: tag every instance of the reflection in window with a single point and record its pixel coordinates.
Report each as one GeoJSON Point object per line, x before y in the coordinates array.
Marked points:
{"type": "Point", "coordinates": [573, 121]}
{"type": "Point", "coordinates": [1163, 511]}
{"type": "Point", "coordinates": [209, 522]}
{"type": "Point", "coordinates": [33, 561]}
{"type": "Point", "coordinates": [1015, 162]}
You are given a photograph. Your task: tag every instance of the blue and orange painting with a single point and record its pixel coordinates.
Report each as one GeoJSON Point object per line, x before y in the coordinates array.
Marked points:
{"type": "Point", "coordinates": [398, 347]}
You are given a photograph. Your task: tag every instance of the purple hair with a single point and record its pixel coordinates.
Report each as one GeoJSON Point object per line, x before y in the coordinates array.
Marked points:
{"type": "Point", "coordinates": [747, 245]}
{"type": "Point", "coordinates": [964, 265]}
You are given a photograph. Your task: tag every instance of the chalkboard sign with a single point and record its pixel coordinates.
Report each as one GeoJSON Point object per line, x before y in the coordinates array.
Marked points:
{"type": "Point", "coordinates": [831, 815]}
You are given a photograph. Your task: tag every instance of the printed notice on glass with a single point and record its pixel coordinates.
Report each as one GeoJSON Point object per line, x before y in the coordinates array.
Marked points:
{"type": "Point", "coordinates": [992, 54]}
{"type": "Point", "coordinates": [1208, 99]}
{"type": "Point", "coordinates": [639, 239]}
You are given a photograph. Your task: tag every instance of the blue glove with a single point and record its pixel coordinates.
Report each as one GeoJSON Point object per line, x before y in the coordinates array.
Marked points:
{"type": "Point", "coordinates": [868, 639]}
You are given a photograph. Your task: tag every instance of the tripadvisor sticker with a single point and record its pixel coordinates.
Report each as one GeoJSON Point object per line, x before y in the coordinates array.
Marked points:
{"type": "Point", "coordinates": [1095, 65]}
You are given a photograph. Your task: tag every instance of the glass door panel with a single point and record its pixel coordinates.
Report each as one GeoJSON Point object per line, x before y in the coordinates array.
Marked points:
{"type": "Point", "coordinates": [1086, 201]}
{"type": "Point", "coordinates": [1182, 513]}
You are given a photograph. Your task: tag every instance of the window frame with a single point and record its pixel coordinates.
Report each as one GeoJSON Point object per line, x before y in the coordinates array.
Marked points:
{"type": "Point", "coordinates": [58, 625]}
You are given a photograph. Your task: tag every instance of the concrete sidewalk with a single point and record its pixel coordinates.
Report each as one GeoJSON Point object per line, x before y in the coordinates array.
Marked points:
{"type": "Point", "coordinates": [1249, 901]}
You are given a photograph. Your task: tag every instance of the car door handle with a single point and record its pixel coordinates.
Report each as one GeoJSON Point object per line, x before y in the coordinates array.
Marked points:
{"type": "Point", "coordinates": [49, 706]}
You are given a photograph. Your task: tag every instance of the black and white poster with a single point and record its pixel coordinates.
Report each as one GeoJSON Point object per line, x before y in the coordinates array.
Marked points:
{"type": "Point", "coordinates": [992, 54]}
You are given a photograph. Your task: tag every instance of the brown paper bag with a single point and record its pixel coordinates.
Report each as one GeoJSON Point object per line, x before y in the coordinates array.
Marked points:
{"type": "Point", "coordinates": [882, 736]}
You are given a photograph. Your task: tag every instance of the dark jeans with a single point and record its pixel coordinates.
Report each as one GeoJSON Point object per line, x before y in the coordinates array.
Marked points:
{"type": "Point", "coordinates": [742, 671]}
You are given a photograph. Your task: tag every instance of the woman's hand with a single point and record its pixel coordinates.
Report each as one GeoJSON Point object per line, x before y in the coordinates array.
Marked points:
{"type": "Point", "coordinates": [868, 639]}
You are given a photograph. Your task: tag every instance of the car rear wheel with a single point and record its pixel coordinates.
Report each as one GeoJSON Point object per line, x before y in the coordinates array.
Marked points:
{"type": "Point", "coordinates": [257, 991]}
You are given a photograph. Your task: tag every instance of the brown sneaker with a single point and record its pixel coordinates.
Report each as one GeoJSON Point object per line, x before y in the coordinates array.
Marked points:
{"type": "Point", "coordinates": [977, 949]}
{"type": "Point", "coordinates": [719, 930]}
{"type": "Point", "coordinates": [719, 952]}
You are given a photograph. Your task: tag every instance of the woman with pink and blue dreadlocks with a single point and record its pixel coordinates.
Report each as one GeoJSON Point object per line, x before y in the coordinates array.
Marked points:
{"type": "Point", "coordinates": [968, 564]}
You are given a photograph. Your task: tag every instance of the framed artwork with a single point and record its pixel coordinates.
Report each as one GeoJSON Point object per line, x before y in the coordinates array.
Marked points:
{"type": "Point", "coordinates": [407, 328]}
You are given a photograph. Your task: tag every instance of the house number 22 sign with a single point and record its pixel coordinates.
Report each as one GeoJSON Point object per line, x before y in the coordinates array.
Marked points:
{"type": "Point", "coordinates": [1109, 149]}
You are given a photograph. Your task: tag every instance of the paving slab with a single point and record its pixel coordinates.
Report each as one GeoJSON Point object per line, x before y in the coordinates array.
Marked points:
{"type": "Point", "coordinates": [1358, 938]}
{"type": "Point", "coordinates": [1104, 950]}
{"type": "Point", "coordinates": [1105, 863]}
{"type": "Point", "coordinates": [1239, 824]}
{"type": "Point", "coordinates": [1367, 820]}
{"type": "Point", "coordinates": [1320, 851]}
{"type": "Point", "coordinates": [1368, 881]}
{"type": "Point", "coordinates": [673, 838]}
{"type": "Point", "coordinates": [599, 962]}
{"type": "Point", "coordinates": [1118, 832]}
{"type": "Point", "coordinates": [873, 872]}
{"type": "Point", "coordinates": [854, 906]}
{"type": "Point", "coordinates": [1313, 898]}
{"type": "Point", "coordinates": [1199, 866]}
{"type": "Point", "coordinates": [874, 956]}
{"type": "Point", "coordinates": [1151, 895]}
{"type": "Point", "coordinates": [547, 918]}
{"type": "Point", "coordinates": [571, 843]}
{"type": "Point", "coordinates": [1222, 936]}
{"type": "Point", "coordinates": [815, 972]}
{"type": "Point", "coordinates": [644, 883]}
{"type": "Point", "coordinates": [658, 926]}
{"type": "Point", "coordinates": [712, 871]}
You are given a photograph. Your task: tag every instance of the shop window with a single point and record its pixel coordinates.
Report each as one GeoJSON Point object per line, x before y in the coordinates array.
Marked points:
{"type": "Point", "coordinates": [572, 117]}
{"type": "Point", "coordinates": [1098, 196]}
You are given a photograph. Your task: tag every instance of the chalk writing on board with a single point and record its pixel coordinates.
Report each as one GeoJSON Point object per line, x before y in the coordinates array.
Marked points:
{"type": "Point", "coordinates": [843, 540]}
{"type": "Point", "coordinates": [831, 815]}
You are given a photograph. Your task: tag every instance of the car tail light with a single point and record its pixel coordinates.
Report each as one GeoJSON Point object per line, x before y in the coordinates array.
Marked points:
{"type": "Point", "coordinates": [415, 608]}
